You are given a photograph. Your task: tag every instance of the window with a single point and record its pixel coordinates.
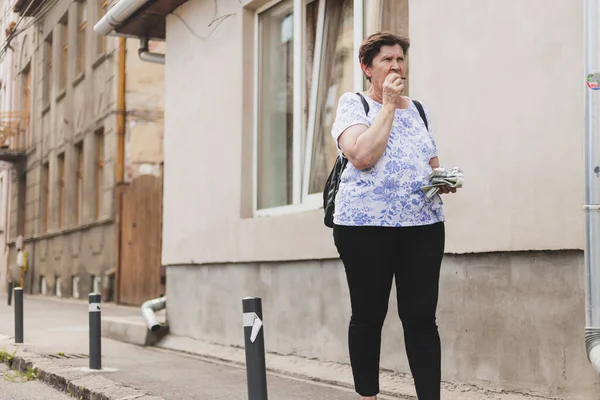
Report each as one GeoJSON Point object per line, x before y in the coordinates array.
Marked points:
{"type": "Point", "coordinates": [301, 73]}
{"type": "Point", "coordinates": [46, 185]}
{"type": "Point", "coordinates": [81, 37]}
{"type": "Point", "coordinates": [101, 39]}
{"type": "Point", "coordinates": [47, 70]}
{"type": "Point", "coordinates": [99, 169]}
{"type": "Point", "coordinates": [276, 136]}
{"type": "Point", "coordinates": [64, 38]}
{"type": "Point", "coordinates": [335, 66]}
{"type": "Point", "coordinates": [79, 200]}
{"type": "Point", "coordinates": [21, 142]}
{"type": "Point", "coordinates": [23, 203]}
{"type": "Point", "coordinates": [61, 188]}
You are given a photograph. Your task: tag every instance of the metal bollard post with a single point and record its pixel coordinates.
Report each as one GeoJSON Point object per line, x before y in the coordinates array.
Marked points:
{"type": "Point", "coordinates": [18, 315]}
{"type": "Point", "coordinates": [95, 334]}
{"type": "Point", "coordinates": [10, 290]}
{"type": "Point", "coordinates": [256, 369]}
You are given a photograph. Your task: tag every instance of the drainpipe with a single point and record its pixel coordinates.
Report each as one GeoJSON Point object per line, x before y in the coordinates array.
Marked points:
{"type": "Point", "coordinates": [148, 310]}
{"type": "Point", "coordinates": [592, 187]}
{"type": "Point", "coordinates": [118, 14]}
{"type": "Point", "coordinates": [120, 163]}
{"type": "Point", "coordinates": [146, 55]}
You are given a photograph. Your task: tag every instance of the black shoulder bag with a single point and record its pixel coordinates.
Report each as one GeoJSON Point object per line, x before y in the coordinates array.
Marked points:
{"type": "Point", "coordinates": [333, 181]}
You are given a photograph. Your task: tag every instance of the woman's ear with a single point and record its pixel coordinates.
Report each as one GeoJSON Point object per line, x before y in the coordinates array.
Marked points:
{"type": "Point", "coordinates": [367, 70]}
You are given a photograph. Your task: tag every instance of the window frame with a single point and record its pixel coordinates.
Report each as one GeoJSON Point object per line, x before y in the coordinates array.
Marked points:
{"type": "Point", "coordinates": [48, 53]}
{"type": "Point", "coordinates": [61, 189]}
{"type": "Point", "coordinates": [302, 149]}
{"type": "Point", "coordinates": [24, 205]}
{"type": "Point", "coordinates": [64, 55]}
{"type": "Point", "coordinates": [102, 9]}
{"type": "Point", "coordinates": [26, 92]}
{"type": "Point", "coordinates": [79, 192]}
{"type": "Point", "coordinates": [99, 164]}
{"type": "Point", "coordinates": [81, 36]}
{"type": "Point", "coordinates": [46, 187]}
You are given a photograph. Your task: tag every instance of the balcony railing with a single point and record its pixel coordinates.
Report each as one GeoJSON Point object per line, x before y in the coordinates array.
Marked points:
{"type": "Point", "coordinates": [14, 135]}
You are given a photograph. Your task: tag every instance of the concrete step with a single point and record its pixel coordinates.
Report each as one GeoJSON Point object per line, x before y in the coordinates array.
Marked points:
{"type": "Point", "coordinates": [133, 329]}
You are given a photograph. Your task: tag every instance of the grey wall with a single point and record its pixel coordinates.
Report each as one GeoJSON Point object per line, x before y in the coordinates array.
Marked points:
{"type": "Point", "coordinates": [508, 320]}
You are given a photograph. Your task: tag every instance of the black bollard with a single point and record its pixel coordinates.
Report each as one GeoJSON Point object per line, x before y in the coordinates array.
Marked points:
{"type": "Point", "coordinates": [18, 315]}
{"type": "Point", "coordinates": [10, 290]}
{"type": "Point", "coordinates": [95, 334]}
{"type": "Point", "coordinates": [256, 370]}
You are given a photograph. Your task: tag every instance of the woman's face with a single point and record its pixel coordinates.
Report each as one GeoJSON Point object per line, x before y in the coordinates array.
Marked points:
{"type": "Point", "coordinates": [390, 59]}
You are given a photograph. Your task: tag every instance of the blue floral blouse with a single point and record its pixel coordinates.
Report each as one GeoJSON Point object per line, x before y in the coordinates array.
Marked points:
{"type": "Point", "coordinates": [389, 193]}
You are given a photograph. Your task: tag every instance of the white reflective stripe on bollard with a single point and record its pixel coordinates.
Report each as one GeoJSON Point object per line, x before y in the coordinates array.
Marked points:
{"type": "Point", "coordinates": [251, 319]}
{"type": "Point", "coordinates": [94, 307]}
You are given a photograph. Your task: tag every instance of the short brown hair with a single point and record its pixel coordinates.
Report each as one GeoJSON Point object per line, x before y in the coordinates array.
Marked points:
{"type": "Point", "coordinates": [372, 45]}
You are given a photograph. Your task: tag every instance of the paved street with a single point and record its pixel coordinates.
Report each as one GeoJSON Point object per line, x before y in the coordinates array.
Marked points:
{"type": "Point", "coordinates": [12, 389]}
{"type": "Point", "coordinates": [53, 326]}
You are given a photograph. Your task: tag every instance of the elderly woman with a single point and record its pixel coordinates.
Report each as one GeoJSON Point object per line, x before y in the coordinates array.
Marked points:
{"type": "Point", "coordinates": [385, 227]}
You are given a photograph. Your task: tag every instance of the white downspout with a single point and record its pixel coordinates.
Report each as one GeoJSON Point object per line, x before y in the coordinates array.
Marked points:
{"type": "Point", "coordinates": [118, 14]}
{"type": "Point", "coordinates": [146, 55]}
{"type": "Point", "coordinates": [592, 187]}
{"type": "Point", "coordinates": [148, 310]}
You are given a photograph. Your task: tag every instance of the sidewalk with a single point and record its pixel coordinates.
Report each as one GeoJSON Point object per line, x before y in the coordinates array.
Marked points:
{"type": "Point", "coordinates": [14, 388]}
{"type": "Point", "coordinates": [56, 342]}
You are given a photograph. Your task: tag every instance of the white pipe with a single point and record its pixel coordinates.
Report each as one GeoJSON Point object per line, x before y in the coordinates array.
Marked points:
{"type": "Point", "coordinates": [592, 187]}
{"type": "Point", "coordinates": [146, 55]}
{"type": "Point", "coordinates": [148, 310]}
{"type": "Point", "coordinates": [118, 14]}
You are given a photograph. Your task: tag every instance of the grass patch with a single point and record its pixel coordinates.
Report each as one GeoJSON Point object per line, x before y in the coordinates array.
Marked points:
{"type": "Point", "coordinates": [20, 377]}
{"type": "Point", "coordinates": [60, 354]}
{"type": "Point", "coordinates": [6, 357]}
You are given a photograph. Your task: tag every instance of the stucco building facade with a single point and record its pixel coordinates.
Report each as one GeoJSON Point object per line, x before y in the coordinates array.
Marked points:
{"type": "Point", "coordinates": [251, 92]}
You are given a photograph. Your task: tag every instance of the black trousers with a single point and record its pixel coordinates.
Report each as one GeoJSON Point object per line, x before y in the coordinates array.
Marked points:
{"type": "Point", "coordinates": [373, 257]}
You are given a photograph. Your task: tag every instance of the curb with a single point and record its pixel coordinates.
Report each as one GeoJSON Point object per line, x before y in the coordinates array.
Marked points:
{"type": "Point", "coordinates": [76, 382]}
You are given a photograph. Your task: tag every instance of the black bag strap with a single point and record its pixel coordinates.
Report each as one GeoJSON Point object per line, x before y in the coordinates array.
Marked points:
{"type": "Point", "coordinates": [421, 112]}
{"type": "Point", "coordinates": [365, 104]}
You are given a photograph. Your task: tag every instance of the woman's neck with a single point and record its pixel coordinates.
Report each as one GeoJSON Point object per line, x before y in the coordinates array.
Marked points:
{"type": "Point", "coordinates": [375, 94]}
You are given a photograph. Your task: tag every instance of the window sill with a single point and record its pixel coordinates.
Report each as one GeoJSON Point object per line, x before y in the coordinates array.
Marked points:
{"type": "Point", "coordinates": [79, 79]}
{"type": "Point", "coordinates": [46, 109]}
{"type": "Point", "coordinates": [99, 60]}
{"type": "Point", "coordinates": [311, 202]}
{"type": "Point", "coordinates": [61, 95]}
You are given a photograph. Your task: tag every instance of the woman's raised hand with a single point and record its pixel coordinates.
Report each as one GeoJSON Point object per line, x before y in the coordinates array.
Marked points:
{"type": "Point", "coordinates": [393, 86]}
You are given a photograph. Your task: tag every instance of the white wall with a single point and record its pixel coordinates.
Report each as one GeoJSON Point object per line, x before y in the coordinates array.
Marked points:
{"type": "Point", "coordinates": [504, 81]}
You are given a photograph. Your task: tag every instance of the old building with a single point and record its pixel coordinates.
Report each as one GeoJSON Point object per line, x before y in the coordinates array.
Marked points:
{"type": "Point", "coordinates": [87, 156]}
{"type": "Point", "coordinates": [7, 126]}
{"type": "Point", "coordinates": [252, 90]}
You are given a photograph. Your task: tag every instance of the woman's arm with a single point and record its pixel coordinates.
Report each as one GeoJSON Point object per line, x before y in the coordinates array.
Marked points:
{"type": "Point", "coordinates": [363, 145]}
